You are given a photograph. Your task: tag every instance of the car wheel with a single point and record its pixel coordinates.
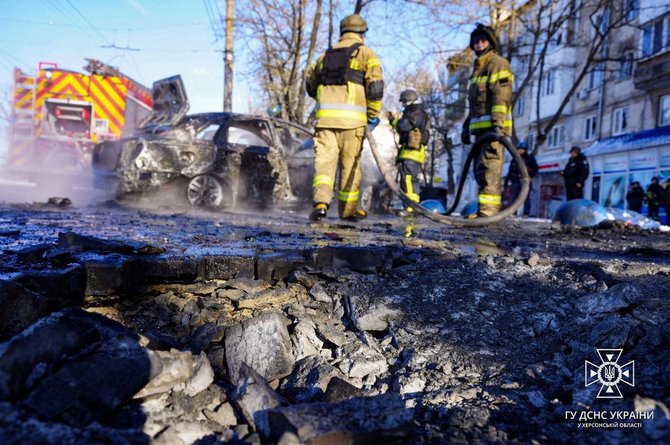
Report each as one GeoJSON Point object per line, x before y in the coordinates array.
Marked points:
{"type": "Point", "coordinates": [208, 192]}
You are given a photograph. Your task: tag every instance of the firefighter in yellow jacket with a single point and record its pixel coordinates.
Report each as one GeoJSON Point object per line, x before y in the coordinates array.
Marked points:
{"type": "Point", "coordinates": [490, 103]}
{"type": "Point", "coordinates": [348, 86]}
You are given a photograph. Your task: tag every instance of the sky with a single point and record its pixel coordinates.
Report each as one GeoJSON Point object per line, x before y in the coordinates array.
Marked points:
{"type": "Point", "coordinates": [149, 40]}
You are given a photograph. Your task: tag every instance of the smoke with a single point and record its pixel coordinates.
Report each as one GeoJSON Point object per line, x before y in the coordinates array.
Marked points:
{"type": "Point", "coordinates": [44, 175]}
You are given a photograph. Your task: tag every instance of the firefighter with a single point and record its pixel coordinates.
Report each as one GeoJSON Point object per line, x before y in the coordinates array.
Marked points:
{"type": "Point", "coordinates": [575, 173]}
{"type": "Point", "coordinates": [348, 86]}
{"type": "Point", "coordinates": [412, 128]}
{"type": "Point", "coordinates": [490, 111]}
{"type": "Point", "coordinates": [513, 179]}
{"type": "Point", "coordinates": [653, 198]}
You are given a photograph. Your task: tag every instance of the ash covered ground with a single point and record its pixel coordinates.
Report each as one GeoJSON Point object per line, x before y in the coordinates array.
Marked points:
{"type": "Point", "coordinates": [248, 328]}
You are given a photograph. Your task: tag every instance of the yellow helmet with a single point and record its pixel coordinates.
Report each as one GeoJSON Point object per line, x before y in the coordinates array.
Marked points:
{"type": "Point", "coordinates": [353, 23]}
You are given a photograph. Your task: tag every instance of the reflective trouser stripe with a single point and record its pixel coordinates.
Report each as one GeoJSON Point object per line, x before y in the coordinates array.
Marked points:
{"type": "Point", "coordinates": [344, 145]}
{"type": "Point", "coordinates": [348, 196]}
{"type": "Point", "coordinates": [410, 189]}
{"type": "Point", "coordinates": [323, 180]}
{"type": "Point", "coordinates": [490, 199]}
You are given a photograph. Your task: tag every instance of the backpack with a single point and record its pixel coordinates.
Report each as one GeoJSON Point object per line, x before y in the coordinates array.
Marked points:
{"type": "Point", "coordinates": [336, 67]}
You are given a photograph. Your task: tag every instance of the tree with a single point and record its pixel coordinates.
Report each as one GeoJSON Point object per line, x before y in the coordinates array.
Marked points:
{"type": "Point", "coordinates": [283, 37]}
{"type": "Point", "coordinates": [536, 29]}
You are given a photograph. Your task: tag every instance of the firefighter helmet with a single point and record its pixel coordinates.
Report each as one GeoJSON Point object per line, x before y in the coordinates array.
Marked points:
{"type": "Point", "coordinates": [353, 23]}
{"type": "Point", "coordinates": [408, 96]}
{"type": "Point", "coordinates": [486, 32]}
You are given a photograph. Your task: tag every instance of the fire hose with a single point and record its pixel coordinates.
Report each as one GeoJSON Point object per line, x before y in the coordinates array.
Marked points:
{"type": "Point", "coordinates": [452, 220]}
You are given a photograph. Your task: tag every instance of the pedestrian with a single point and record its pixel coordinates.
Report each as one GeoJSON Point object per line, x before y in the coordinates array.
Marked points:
{"type": "Point", "coordinates": [490, 111]}
{"type": "Point", "coordinates": [413, 134]}
{"type": "Point", "coordinates": [348, 86]}
{"type": "Point", "coordinates": [665, 200]}
{"type": "Point", "coordinates": [513, 178]}
{"type": "Point", "coordinates": [653, 198]}
{"type": "Point", "coordinates": [635, 197]}
{"type": "Point", "coordinates": [575, 173]}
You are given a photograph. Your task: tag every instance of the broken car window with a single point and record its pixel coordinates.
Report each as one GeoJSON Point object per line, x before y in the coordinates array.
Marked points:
{"type": "Point", "coordinates": [207, 133]}
{"type": "Point", "coordinates": [249, 133]}
{"type": "Point", "coordinates": [294, 139]}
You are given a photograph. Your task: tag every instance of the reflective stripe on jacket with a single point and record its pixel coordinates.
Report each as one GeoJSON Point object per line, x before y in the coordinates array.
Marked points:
{"type": "Point", "coordinates": [350, 105]}
{"type": "Point", "coordinates": [490, 94]}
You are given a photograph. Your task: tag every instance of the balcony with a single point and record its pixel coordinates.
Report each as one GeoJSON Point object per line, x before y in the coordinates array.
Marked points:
{"type": "Point", "coordinates": [652, 73]}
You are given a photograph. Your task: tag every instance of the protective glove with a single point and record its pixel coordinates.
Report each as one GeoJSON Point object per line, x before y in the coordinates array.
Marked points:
{"type": "Point", "coordinates": [372, 123]}
{"type": "Point", "coordinates": [465, 136]}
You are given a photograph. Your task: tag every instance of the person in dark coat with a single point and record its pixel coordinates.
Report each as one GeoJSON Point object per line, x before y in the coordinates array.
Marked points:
{"type": "Point", "coordinates": [635, 197]}
{"type": "Point", "coordinates": [653, 198]}
{"type": "Point", "coordinates": [575, 173]}
{"type": "Point", "coordinates": [665, 200]}
{"type": "Point", "coordinates": [513, 179]}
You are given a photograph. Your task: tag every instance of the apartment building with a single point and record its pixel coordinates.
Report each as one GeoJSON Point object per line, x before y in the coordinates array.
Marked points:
{"type": "Point", "coordinates": [612, 100]}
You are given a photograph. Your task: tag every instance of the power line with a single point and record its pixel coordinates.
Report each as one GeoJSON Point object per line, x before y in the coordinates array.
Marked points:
{"type": "Point", "coordinates": [87, 20]}
{"type": "Point", "coordinates": [64, 25]}
{"type": "Point", "coordinates": [23, 64]}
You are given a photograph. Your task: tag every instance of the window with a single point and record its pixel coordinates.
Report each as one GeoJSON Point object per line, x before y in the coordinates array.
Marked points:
{"type": "Point", "coordinates": [626, 67]}
{"type": "Point", "coordinates": [252, 133]}
{"type": "Point", "coordinates": [620, 121]}
{"type": "Point", "coordinates": [653, 40]}
{"type": "Point", "coordinates": [531, 142]}
{"type": "Point", "coordinates": [207, 133]}
{"type": "Point", "coordinates": [590, 128]}
{"type": "Point", "coordinates": [631, 8]}
{"type": "Point", "coordinates": [548, 80]}
{"type": "Point", "coordinates": [519, 106]}
{"type": "Point", "coordinates": [664, 110]}
{"type": "Point", "coordinates": [556, 137]}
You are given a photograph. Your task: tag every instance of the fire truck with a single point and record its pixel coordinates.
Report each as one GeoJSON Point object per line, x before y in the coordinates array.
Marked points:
{"type": "Point", "coordinates": [58, 114]}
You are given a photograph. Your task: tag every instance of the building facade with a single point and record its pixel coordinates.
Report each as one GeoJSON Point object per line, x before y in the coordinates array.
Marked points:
{"type": "Point", "coordinates": [604, 83]}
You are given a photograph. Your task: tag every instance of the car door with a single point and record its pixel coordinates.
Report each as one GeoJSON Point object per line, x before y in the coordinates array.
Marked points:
{"type": "Point", "coordinates": [298, 147]}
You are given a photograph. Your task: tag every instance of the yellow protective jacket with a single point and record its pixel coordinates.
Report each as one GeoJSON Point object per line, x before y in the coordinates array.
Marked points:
{"type": "Point", "coordinates": [352, 104]}
{"type": "Point", "coordinates": [490, 95]}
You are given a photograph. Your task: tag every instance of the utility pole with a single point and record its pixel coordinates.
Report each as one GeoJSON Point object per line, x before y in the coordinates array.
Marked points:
{"type": "Point", "coordinates": [228, 57]}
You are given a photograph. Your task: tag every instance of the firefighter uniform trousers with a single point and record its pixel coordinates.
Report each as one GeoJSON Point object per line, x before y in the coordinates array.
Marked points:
{"type": "Point", "coordinates": [488, 173]}
{"type": "Point", "coordinates": [331, 144]}
{"type": "Point", "coordinates": [409, 179]}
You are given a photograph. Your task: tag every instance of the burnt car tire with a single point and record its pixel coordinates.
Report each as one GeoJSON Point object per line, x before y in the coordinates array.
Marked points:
{"type": "Point", "coordinates": [209, 192]}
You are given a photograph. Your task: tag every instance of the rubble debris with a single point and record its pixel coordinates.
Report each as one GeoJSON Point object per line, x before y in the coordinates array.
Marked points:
{"type": "Point", "coordinates": [262, 343]}
{"type": "Point", "coordinates": [381, 419]}
{"type": "Point", "coordinates": [212, 343]}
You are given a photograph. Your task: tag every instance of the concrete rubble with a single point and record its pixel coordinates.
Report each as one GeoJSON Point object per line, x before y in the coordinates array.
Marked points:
{"type": "Point", "coordinates": [131, 343]}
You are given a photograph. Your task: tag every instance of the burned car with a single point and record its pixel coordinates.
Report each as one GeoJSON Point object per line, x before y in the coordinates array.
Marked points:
{"type": "Point", "coordinates": [214, 160]}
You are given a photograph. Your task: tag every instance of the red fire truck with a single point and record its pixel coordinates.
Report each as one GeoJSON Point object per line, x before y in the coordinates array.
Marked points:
{"type": "Point", "coordinates": [58, 114]}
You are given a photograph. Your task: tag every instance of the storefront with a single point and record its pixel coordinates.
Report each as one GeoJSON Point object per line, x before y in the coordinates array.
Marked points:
{"type": "Point", "coordinates": [617, 162]}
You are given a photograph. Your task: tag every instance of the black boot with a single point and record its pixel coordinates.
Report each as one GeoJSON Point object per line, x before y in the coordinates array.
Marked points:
{"type": "Point", "coordinates": [319, 212]}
